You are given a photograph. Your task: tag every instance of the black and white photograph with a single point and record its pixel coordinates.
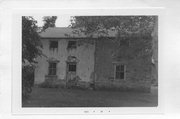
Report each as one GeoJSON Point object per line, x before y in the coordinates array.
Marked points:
{"type": "Point", "coordinates": [90, 61]}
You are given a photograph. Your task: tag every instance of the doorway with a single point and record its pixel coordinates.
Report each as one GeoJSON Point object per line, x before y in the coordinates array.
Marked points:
{"type": "Point", "coordinates": [71, 71]}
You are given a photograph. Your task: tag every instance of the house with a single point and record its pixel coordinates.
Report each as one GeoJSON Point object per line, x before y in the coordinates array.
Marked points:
{"type": "Point", "coordinates": [89, 61]}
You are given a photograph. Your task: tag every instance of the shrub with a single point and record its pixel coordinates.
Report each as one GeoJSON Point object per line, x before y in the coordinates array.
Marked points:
{"type": "Point", "coordinates": [48, 85]}
{"type": "Point", "coordinates": [27, 80]}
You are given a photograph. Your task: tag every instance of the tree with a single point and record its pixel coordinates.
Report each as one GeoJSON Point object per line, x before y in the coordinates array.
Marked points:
{"type": "Point", "coordinates": [31, 49]}
{"type": "Point", "coordinates": [128, 28]}
{"type": "Point", "coordinates": [31, 44]}
{"type": "Point", "coordinates": [91, 24]}
{"type": "Point", "coordinates": [30, 40]}
{"type": "Point", "coordinates": [49, 21]}
{"type": "Point", "coordinates": [133, 39]}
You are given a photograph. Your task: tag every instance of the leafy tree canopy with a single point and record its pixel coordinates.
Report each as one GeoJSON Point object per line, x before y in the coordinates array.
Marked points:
{"type": "Point", "coordinates": [49, 21]}
{"type": "Point", "coordinates": [91, 24]}
{"type": "Point", "coordinates": [30, 39]}
{"type": "Point", "coordinates": [31, 48]}
{"type": "Point", "coordinates": [31, 44]}
{"type": "Point", "coordinates": [129, 30]}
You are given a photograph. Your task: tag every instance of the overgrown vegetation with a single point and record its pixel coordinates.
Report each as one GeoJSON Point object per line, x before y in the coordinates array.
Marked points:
{"type": "Point", "coordinates": [27, 80]}
{"type": "Point", "coordinates": [48, 85]}
{"type": "Point", "coordinates": [31, 49]}
{"type": "Point", "coordinates": [30, 40]}
{"type": "Point", "coordinates": [49, 21]}
{"type": "Point", "coordinates": [124, 24]}
{"type": "Point", "coordinates": [133, 36]}
{"type": "Point", "coordinates": [133, 32]}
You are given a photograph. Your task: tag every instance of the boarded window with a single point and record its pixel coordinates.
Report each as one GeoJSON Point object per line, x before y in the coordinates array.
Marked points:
{"type": "Point", "coordinates": [52, 68]}
{"type": "Point", "coordinates": [72, 44]}
{"type": "Point", "coordinates": [120, 71]}
{"type": "Point", "coordinates": [72, 67]}
{"type": "Point", "coordinates": [53, 45]}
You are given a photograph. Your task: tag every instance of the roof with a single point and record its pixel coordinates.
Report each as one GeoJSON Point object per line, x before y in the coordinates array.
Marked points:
{"type": "Point", "coordinates": [66, 32]}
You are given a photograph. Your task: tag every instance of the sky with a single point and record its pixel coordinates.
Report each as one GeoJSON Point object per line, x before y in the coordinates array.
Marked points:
{"type": "Point", "coordinates": [62, 21]}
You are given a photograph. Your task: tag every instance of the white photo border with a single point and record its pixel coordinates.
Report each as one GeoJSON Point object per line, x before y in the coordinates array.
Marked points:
{"type": "Point", "coordinates": [17, 50]}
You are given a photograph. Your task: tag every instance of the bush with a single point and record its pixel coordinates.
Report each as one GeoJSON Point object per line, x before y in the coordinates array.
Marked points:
{"type": "Point", "coordinates": [27, 80]}
{"type": "Point", "coordinates": [44, 85]}
{"type": "Point", "coordinates": [72, 83]}
{"type": "Point", "coordinates": [48, 85]}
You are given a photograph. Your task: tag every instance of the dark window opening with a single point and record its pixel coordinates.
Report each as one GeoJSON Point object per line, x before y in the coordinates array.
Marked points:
{"type": "Point", "coordinates": [120, 72]}
{"type": "Point", "coordinates": [53, 45]}
{"type": "Point", "coordinates": [72, 67]}
{"type": "Point", "coordinates": [71, 44]}
{"type": "Point", "coordinates": [52, 68]}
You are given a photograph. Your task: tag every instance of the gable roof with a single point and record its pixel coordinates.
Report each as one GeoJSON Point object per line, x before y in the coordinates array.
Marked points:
{"type": "Point", "coordinates": [66, 32]}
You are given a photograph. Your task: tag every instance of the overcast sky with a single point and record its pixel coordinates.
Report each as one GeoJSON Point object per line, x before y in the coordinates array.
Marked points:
{"type": "Point", "coordinates": [62, 21]}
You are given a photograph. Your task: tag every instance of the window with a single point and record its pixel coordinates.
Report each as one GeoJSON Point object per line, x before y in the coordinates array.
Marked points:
{"type": "Point", "coordinates": [52, 68]}
{"type": "Point", "coordinates": [53, 45]}
{"type": "Point", "coordinates": [72, 67]}
{"type": "Point", "coordinates": [120, 71]}
{"type": "Point", "coordinates": [71, 44]}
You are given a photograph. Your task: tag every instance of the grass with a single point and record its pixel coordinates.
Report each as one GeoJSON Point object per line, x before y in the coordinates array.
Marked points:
{"type": "Point", "coordinates": [49, 97]}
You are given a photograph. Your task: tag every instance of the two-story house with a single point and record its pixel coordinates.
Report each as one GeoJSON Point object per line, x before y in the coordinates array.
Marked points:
{"type": "Point", "coordinates": [69, 55]}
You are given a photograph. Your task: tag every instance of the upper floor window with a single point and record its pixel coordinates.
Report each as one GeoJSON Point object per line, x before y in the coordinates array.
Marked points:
{"type": "Point", "coordinates": [72, 44]}
{"type": "Point", "coordinates": [120, 71]}
{"type": "Point", "coordinates": [53, 45]}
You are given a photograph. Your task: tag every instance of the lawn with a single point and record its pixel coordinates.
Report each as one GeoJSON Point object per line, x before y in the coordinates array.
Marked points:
{"type": "Point", "coordinates": [49, 97]}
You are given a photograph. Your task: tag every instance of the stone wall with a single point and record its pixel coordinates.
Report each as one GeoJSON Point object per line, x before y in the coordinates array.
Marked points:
{"type": "Point", "coordinates": [138, 71]}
